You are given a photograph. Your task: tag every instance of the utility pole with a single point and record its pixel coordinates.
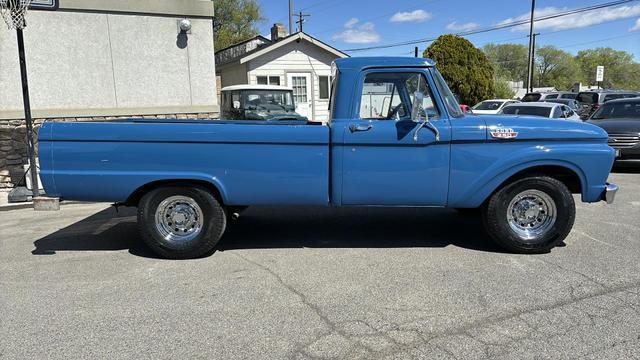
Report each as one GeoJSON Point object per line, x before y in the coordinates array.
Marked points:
{"type": "Point", "coordinates": [301, 20]}
{"type": "Point", "coordinates": [530, 62]}
{"type": "Point", "coordinates": [290, 16]}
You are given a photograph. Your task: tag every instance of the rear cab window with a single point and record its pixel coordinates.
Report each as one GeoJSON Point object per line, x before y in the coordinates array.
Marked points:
{"type": "Point", "coordinates": [527, 110]}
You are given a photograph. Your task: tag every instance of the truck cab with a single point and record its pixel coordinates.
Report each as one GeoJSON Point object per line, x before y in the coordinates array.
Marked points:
{"type": "Point", "coordinates": [258, 102]}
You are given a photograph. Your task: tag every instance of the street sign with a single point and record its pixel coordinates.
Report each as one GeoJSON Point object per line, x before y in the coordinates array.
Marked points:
{"type": "Point", "coordinates": [599, 73]}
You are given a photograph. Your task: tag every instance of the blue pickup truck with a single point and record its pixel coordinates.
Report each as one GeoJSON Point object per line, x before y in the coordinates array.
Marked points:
{"type": "Point", "coordinates": [396, 137]}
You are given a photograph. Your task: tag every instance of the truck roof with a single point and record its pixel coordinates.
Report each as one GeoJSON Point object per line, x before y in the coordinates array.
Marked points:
{"type": "Point", "coordinates": [362, 63]}
{"type": "Point", "coordinates": [256, 87]}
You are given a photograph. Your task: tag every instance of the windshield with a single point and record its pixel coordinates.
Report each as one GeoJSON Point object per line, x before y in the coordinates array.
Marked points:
{"type": "Point", "coordinates": [618, 110]}
{"type": "Point", "coordinates": [587, 98]}
{"type": "Point", "coordinates": [531, 97]}
{"type": "Point", "coordinates": [527, 110]}
{"type": "Point", "coordinates": [269, 100]}
{"type": "Point", "coordinates": [488, 105]}
{"type": "Point", "coordinates": [447, 96]}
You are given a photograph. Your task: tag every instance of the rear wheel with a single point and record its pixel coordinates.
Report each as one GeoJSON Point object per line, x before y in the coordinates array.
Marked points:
{"type": "Point", "coordinates": [531, 215]}
{"type": "Point", "coordinates": [181, 222]}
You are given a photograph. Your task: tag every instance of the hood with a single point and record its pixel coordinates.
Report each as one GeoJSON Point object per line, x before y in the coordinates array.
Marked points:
{"type": "Point", "coordinates": [618, 126]}
{"type": "Point", "coordinates": [535, 128]}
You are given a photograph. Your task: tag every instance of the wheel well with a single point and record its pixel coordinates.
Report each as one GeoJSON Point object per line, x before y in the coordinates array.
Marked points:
{"type": "Point", "coordinates": [135, 197]}
{"type": "Point", "coordinates": [560, 173]}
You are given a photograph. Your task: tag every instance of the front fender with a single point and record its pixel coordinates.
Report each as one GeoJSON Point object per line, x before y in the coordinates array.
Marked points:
{"type": "Point", "coordinates": [477, 170]}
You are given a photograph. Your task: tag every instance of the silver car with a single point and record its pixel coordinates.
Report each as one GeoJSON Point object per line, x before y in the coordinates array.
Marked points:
{"type": "Point", "coordinates": [541, 109]}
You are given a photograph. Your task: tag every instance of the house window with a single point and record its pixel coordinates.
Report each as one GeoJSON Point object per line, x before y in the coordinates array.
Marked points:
{"type": "Point", "coordinates": [299, 85]}
{"type": "Point", "coordinates": [268, 80]}
{"type": "Point", "coordinates": [262, 80]}
{"type": "Point", "coordinates": [325, 84]}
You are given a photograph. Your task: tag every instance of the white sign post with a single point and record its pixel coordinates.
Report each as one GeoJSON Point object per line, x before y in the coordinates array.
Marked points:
{"type": "Point", "coordinates": [599, 75]}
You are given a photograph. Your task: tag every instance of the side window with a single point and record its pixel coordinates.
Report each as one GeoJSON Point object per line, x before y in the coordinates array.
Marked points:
{"type": "Point", "coordinates": [389, 96]}
{"type": "Point", "coordinates": [323, 84]}
{"type": "Point", "coordinates": [235, 100]}
{"type": "Point", "coordinates": [274, 80]}
{"type": "Point", "coordinates": [552, 96]}
{"type": "Point", "coordinates": [557, 112]}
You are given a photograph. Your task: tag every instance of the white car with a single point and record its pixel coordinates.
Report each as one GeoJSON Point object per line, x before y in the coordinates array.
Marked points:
{"type": "Point", "coordinates": [492, 106]}
{"type": "Point", "coordinates": [541, 109]}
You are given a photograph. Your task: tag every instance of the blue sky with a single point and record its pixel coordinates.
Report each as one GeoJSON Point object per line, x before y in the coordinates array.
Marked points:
{"type": "Point", "coordinates": [351, 24]}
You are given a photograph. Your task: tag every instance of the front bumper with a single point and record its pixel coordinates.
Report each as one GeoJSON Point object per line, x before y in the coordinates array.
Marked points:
{"type": "Point", "coordinates": [610, 193]}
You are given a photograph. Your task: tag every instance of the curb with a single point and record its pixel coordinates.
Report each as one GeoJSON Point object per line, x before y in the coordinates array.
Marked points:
{"type": "Point", "coordinates": [29, 205]}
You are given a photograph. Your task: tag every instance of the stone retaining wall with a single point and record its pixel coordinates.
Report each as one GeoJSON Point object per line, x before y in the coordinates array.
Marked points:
{"type": "Point", "coordinates": [13, 141]}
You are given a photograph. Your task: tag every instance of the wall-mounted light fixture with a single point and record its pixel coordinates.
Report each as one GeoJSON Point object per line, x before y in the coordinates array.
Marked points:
{"type": "Point", "coordinates": [184, 26]}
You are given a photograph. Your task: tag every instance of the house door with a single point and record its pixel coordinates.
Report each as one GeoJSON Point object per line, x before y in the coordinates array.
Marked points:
{"type": "Point", "coordinates": [302, 95]}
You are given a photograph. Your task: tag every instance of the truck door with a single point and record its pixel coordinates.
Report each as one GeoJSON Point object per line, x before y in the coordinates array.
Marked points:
{"type": "Point", "coordinates": [384, 162]}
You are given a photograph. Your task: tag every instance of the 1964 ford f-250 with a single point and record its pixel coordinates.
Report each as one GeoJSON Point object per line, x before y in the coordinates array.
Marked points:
{"type": "Point", "coordinates": [396, 137]}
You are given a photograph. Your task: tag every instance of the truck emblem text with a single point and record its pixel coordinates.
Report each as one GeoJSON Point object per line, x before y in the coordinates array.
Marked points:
{"type": "Point", "coordinates": [503, 133]}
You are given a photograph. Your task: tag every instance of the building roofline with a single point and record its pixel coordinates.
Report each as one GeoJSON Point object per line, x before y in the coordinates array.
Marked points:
{"type": "Point", "coordinates": [287, 40]}
{"type": "Point", "coordinates": [244, 42]}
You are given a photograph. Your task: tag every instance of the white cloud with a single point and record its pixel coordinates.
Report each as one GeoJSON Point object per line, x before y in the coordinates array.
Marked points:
{"type": "Point", "coordinates": [636, 27]}
{"type": "Point", "coordinates": [462, 27]}
{"type": "Point", "coordinates": [574, 21]}
{"type": "Point", "coordinates": [351, 23]}
{"type": "Point", "coordinates": [363, 34]}
{"type": "Point", "coordinates": [413, 16]}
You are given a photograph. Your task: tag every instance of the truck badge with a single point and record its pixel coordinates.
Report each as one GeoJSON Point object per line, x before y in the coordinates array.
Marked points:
{"type": "Point", "coordinates": [503, 133]}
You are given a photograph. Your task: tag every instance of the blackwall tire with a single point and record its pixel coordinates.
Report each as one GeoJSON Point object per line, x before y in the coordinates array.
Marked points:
{"type": "Point", "coordinates": [531, 215]}
{"type": "Point", "coordinates": [181, 222]}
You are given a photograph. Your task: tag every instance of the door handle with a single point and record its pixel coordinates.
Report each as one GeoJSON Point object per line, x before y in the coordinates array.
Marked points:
{"type": "Point", "coordinates": [354, 127]}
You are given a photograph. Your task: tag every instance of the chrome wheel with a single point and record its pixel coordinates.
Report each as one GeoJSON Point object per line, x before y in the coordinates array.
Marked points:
{"type": "Point", "coordinates": [531, 214]}
{"type": "Point", "coordinates": [179, 219]}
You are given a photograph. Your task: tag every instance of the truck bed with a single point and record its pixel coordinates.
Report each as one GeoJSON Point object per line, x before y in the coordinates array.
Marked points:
{"type": "Point", "coordinates": [250, 162]}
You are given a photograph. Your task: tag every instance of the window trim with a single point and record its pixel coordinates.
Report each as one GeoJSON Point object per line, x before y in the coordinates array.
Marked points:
{"type": "Point", "coordinates": [328, 87]}
{"type": "Point", "coordinates": [268, 78]}
{"type": "Point", "coordinates": [434, 93]}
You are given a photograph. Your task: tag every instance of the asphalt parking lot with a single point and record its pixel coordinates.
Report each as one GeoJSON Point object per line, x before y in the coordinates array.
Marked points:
{"type": "Point", "coordinates": [321, 283]}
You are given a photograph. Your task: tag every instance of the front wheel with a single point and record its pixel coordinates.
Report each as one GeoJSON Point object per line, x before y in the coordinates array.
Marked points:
{"type": "Point", "coordinates": [531, 215]}
{"type": "Point", "coordinates": [181, 222]}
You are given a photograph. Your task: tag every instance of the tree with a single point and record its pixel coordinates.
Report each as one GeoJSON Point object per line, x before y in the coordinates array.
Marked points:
{"type": "Point", "coordinates": [556, 68]}
{"type": "Point", "coordinates": [235, 21]}
{"type": "Point", "coordinates": [508, 60]}
{"type": "Point", "coordinates": [465, 68]}
{"type": "Point", "coordinates": [619, 67]}
{"type": "Point", "coordinates": [501, 89]}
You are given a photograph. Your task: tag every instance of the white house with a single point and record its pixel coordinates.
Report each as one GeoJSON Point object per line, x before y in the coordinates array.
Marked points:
{"type": "Point", "coordinates": [298, 61]}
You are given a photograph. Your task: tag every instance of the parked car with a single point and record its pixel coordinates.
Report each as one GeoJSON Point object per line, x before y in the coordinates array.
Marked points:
{"type": "Point", "coordinates": [571, 103]}
{"type": "Point", "coordinates": [259, 102]}
{"type": "Point", "coordinates": [492, 106]}
{"type": "Point", "coordinates": [621, 119]}
{"type": "Point", "coordinates": [541, 109]}
{"type": "Point", "coordinates": [537, 96]}
{"type": "Point", "coordinates": [187, 176]}
{"type": "Point", "coordinates": [544, 96]}
{"type": "Point", "coordinates": [593, 99]}
{"type": "Point", "coordinates": [565, 95]}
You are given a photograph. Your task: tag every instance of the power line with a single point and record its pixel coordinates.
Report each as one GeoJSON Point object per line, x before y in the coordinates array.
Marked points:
{"type": "Point", "coordinates": [498, 27]}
